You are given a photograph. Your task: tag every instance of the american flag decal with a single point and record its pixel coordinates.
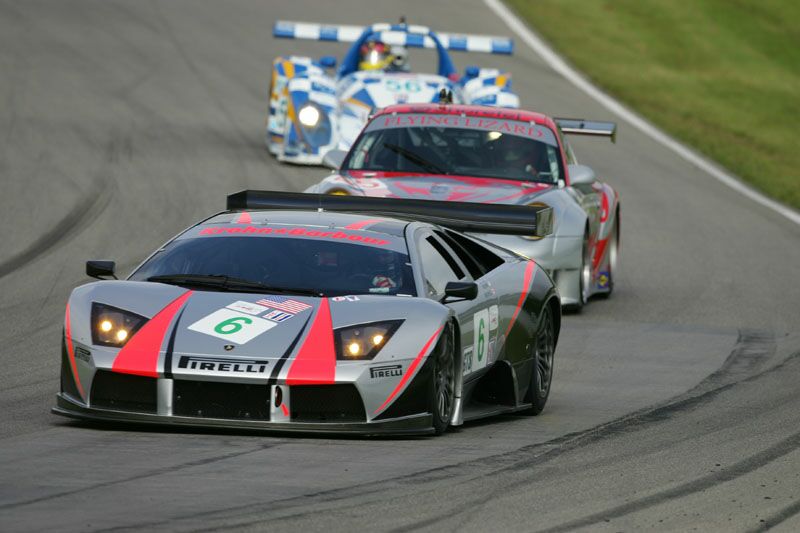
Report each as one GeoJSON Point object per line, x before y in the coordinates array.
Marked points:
{"type": "Point", "coordinates": [284, 304]}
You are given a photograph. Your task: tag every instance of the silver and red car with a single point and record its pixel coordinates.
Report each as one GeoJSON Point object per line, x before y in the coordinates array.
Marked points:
{"type": "Point", "coordinates": [303, 312]}
{"type": "Point", "coordinates": [490, 155]}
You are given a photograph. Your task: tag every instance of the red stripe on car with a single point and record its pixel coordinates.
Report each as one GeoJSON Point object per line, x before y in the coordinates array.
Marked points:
{"type": "Point", "coordinates": [71, 354]}
{"type": "Point", "coordinates": [244, 218]}
{"type": "Point", "coordinates": [315, 363]}
{"type": "Point", "coordinates": [140, 354]}
{"type": "Point", "coordinates": [525, 289]}
{"type": "Point", "coordinates": [363, 224]}
{"type": "Point", "coordinates": [599, 251]}
{"type": "Point", "coordinates": [410, 372]}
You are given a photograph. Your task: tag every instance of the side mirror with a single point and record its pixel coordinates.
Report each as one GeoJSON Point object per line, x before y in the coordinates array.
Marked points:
{"type": "Point", "coordinates": [333, 159]}
{"type": "Point", "coordinates": [98, 269]}
{"type": "Point", "coordinates": [327, 61]}
{"type": "Point", "coordinates": [581, 175]}
{"type": "Point", "coordinates": [472, 71]}
{"type": "Point", "coordinates": [463, 290]}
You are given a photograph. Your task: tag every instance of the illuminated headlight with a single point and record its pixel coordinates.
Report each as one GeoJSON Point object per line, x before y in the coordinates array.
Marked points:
{"type": "Point", "coordinates": [538, 237]}
{"type": "Point", "coordinates": [308, 116]}
{"type": "Point", "coordinates": [112, 326]}
{"type": "Point", "coordinates": [363, 342]}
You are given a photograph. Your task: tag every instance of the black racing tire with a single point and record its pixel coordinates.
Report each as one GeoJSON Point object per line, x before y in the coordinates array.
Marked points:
{"type": "Point", "coordinates": [543, 358]}
{"type": "Point", "coordinates": [584, 279]}
{"type": "Point", "coordinates": [444, 380]}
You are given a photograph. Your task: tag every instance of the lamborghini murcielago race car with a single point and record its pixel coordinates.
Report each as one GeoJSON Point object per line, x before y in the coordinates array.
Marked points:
{"type": "Point", "coordinates": [321, 313]}
{"type": "Point", "coordinates": [311, 112]}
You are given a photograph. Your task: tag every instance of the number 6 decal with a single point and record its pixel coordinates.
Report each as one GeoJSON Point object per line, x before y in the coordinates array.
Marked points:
{"type": "Point", "coordinates": [232, 326]}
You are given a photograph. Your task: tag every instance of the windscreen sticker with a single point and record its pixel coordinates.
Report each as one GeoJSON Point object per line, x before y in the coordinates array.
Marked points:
{"type": "Point", "coordinates": [481, 339]}
{"type": "Point", "coordinates": [296, 232]}
{"type": "Point", "coordinates": [512, 127]}
{"type": "Point", "coordinates": [247, 307]}
{"type": "Point", "coordinates": [232, 326]}
{"type": "Point", "coordinates": [493, 318]}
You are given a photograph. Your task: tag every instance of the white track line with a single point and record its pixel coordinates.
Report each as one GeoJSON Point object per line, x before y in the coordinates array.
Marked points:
{"type": "Point", "coordinates": [560, 66]}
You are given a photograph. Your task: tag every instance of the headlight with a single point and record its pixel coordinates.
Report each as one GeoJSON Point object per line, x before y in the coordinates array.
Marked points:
{"type": "Point", "coordinates": [308, 116]}
{"type": "Point", "coordinates": [363, 342]}
{"type": "Point", "coordinates": [538, 237]}
{"type": "Point", "coordinates": [112, 326]}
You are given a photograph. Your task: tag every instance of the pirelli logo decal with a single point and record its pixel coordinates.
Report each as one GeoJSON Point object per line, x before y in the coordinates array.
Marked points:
{"type": "Point", "coordinates": [226, 365]}
{"type": "Point", "coordinates": [388, 371]}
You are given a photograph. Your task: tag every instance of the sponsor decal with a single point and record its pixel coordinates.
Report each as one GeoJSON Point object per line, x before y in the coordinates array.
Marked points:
{"type": "Point", "coordinates": [83, 354]}
{"type": "Point", "coordinates": [232, 326]}
{"type": "Point", "coordinates": [468, 359]}
{"type": "Point", "coordinates": [247, 307]}
{"type": "Point", "coordinates": [223, 364]}
{"type": "Point", "coordinates": [480, 339]}
{"type": "Point", "coordinates": [493, 318]}
{"type": "Point", "coordinates": [386, 371]}
{"type": "Point", "coordinates": [278, 316]}
{"type": "Point", "coordinates": [295, 232]}
{"type": "Point", "coordinates": [284, 304]}
{"type": "Point", "coordinates": [602, 280]}
{"type": "Point", "coordinates": [502, 125]}
{"type": "Point", "coordinates": [345, 299]}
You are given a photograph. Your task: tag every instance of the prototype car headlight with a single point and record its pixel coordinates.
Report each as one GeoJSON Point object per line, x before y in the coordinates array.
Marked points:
{"type": "Point", "coordinates": [363, 342]}
{"type": "Point", "coordinates": [112, 326]}
{"type": "Point", "coordinates": [308, 116]}
{"type": "Point", "coordinates": [537, 237]}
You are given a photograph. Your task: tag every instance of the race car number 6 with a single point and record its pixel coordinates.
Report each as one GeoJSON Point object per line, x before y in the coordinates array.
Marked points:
{"type": "Point", "coordinates": [232, 325]}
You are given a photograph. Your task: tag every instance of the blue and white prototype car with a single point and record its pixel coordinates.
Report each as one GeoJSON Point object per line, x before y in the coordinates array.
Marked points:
{"type": "Point", "coordinates": [312, 111]}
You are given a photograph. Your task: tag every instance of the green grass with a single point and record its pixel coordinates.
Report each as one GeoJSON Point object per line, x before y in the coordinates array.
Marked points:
{"type": "Point", "coordinates": [722, 75]}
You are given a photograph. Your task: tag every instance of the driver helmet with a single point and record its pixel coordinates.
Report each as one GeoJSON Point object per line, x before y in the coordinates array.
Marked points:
{"type": "Point", "coordinates": [399, 58]}
{"type": "Point", "coordinates": [516, 152]}
{"type": "Point", "coordinates": [374, 55]}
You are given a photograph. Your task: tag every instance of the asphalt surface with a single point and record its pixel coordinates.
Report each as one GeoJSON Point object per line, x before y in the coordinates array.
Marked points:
{"type": "Point", "coordinates": [674, 405]}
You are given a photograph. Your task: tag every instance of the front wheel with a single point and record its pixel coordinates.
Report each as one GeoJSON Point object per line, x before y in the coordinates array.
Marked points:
{"type": "Point", "coordinates": [444, 373]}
{"type": "Point", "coordinates": [543, 356]}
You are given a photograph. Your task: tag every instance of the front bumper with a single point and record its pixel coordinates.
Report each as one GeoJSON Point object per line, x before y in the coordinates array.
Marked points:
{"type": "Point", "coordinates": [419, 424]}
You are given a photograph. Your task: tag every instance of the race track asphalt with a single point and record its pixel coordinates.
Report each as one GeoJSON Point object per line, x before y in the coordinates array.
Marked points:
{"type": "Point", "coordinates": [674, 405]}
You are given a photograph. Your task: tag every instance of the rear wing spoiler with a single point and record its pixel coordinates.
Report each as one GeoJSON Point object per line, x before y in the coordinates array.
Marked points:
{"type": "Point", "coordinates": [532, 221]}
{"type": "Point", "coordinates": [579, 126]}
{"type": "Point", "coordinates": [408, 35]}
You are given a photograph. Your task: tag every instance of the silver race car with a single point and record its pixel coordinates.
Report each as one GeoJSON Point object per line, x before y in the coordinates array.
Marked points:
{"type": "Point", "coordinates": [304, 312]}
{"type": "Point", "coordinates": [495, 156]}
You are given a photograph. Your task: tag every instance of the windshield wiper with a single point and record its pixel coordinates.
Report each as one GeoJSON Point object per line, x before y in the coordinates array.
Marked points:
{"type": "Point", "coordinates": [416, 159]}
{"type": "Point", "coordinates": [227, 283]}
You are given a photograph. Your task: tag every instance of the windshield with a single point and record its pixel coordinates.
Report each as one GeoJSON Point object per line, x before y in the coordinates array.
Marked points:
{"type": "Point", "coordinates": [301, 264]}
{"type": "Point", "coordinates": [490, 148]}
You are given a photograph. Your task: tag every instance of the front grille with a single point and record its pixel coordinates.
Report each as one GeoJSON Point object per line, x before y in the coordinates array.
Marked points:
{"type": "Point", "coordinates": [327, 403]}
{"type": "Point", "coordinates": [124, 392]}
{"type": "Point", "coordinates": [209, 399]}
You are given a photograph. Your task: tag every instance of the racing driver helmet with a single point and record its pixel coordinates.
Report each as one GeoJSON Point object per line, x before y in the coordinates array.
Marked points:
{"type": "Point", "coordinates": [374, 55]}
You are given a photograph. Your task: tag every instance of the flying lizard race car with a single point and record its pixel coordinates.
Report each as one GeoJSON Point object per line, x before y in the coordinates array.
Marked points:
{"type": "Point", "coordinates": [311, 112]}
{"type": "Point", "coordinates": [318, 313]}
{"type": "Point", "coordinates": [494, 156]}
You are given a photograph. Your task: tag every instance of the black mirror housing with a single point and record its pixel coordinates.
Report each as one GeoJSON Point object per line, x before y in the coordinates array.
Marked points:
{"type": "Point", "coordinates": [463, 290]}
{"type": "Point", "coordinates": [98, 269]}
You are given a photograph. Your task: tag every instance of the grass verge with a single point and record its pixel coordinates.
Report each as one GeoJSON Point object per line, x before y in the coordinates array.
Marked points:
{"type": "Point", "coordinates": [722, 75]}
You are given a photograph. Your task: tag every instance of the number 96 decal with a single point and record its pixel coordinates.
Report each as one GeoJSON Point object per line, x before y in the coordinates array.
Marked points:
{"type": "Point", "coordinates": [232, 326]}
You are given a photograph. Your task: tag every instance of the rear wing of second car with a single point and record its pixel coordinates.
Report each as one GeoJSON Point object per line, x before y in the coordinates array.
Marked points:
{"type": "Point", "coordinates": [409, 35]}
{"type": "Point", "coordinates": [527, 220]}
{"type": "Point", "coordinates": [579, 126]}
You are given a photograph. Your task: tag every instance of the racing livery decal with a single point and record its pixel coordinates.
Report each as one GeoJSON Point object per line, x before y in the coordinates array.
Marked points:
{"type": "Point", "coordinates": [232, 326]}
{"type": "Point", "coordinates": [140, 354]}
